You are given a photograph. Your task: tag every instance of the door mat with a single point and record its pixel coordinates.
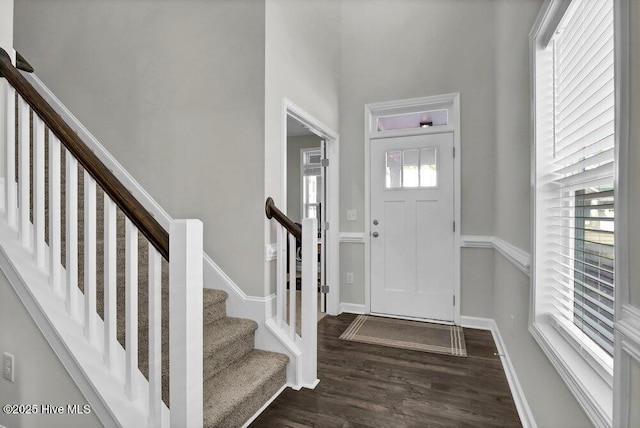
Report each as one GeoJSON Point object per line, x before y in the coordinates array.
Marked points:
{"type": "Point", "coordinates": [414, 335]}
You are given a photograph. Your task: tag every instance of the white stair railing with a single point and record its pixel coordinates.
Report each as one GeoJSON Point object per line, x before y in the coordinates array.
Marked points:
{"type": "Point", "coordinates": [304, 335]}
{"type": "Point", "coordinates": [40, 131]}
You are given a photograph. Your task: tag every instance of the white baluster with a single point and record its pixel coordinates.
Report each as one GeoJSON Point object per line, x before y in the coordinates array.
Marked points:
{"type": "Point", "coordinates": [155, 338]}
{"type": "Point", "coordinates": [24, 174]}
{"type": "Point", "coordinates": [131, 307]}
{"type": "Point", "coordinates": [110, 282]}
{"type": "Point", "coordinates": [39, 182]}
{"type": "Point", "coordinates": [185, 323]}
{"type": "Point", "coordinates": [292, 286]}
{"type": "Point", "coordinates": [10, 158]}
{"type": "Point", "coordinates": [55, 226]}
{"type": "Point", "coordinates": [281, 276]}
{"type": "Point", "coordinates": [71, 213]}
{"type": "Point", "coordinates": [89, 257]}
{"type": "Point", "coordinates": [309, 301]}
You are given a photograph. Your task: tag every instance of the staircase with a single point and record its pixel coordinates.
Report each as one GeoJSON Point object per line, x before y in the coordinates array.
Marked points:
{"type": "Point", "coordinates": [236, 379]}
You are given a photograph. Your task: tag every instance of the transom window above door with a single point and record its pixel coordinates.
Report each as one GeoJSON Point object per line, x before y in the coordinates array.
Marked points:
{"type": "Point", "coordinates": [411, 168]}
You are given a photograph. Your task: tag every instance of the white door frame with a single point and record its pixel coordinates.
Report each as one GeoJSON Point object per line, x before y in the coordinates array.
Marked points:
{"type": "Point", "coordinates": [332, 185]}
{"type": "Point", "coordinates": [451, 102]}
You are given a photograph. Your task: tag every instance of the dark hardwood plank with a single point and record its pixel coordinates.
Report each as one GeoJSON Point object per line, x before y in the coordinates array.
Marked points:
{"type": "Point", "coordinates": [364, 385]}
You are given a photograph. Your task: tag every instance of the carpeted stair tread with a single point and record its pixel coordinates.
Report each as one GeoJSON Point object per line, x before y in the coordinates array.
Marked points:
{"type": "Point", "coordinates": [212, 297]}
{"type": "Point", "coordinates": [225, 342]}
{"type": "Point", "coordinates": [235, 394]}
{"type": "Point", "coordinates": [225, 331]}
{"type": "Point", "coordinates": [215, 305]}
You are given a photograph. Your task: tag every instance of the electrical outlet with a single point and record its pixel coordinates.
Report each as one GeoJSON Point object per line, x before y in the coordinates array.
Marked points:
{"type": "Point", "coordinates": [352, 215]}
{"type": "Point", "coordinates": [8, 367]}
{"type": "Point", "coordinates": [349, 277]}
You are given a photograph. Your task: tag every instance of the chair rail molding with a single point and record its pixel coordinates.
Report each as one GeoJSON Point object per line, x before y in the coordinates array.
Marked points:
{"type": "Point", "coordinates": [519, 258]}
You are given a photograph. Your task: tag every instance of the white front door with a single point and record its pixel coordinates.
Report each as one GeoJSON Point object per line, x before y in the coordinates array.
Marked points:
{"type": "Point", "coordinates": [412, 230]}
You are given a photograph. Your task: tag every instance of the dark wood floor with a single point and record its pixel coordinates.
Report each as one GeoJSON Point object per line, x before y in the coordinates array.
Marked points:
{"type": "Point", "coordinates": [375, 386]}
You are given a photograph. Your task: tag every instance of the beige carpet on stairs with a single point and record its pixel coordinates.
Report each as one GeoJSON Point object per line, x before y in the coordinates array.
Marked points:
{"type": "Point", "coordinates": [238, 379]}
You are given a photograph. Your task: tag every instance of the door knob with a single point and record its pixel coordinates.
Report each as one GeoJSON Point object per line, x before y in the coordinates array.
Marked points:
{"type": "Point", "coordinates": [375, 222]}
{"type": "Point", "coordinates": [375, 234]}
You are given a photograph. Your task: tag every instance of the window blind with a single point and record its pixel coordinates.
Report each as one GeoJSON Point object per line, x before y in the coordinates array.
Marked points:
{"type": "Point", "coordinates": [579, 198]}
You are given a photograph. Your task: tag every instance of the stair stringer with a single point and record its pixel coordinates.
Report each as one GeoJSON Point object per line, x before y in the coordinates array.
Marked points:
{"type": "Point", "coordinates": [239, 304]}
{"type": "Point", "coordinates": [103, 388]}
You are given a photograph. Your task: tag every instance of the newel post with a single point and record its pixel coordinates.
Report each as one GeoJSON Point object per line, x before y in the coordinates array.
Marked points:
{"type": "Point", "coordinates": [185, 323]}
{"type": "Point", "coordinates": [309, 297]}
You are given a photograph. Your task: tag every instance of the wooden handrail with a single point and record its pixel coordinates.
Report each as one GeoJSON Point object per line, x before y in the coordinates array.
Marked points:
{"type": "Point", "coordinates": [272, 211]}
{"type": "Point", "coordinates": [129, 205]}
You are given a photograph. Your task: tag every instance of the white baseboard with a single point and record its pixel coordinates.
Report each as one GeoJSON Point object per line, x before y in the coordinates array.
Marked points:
{"type": "Point", "coordinates": [264, 407]}
{"type": "Point", "coordinates": [351, 308]}
{"type": "Point", "coordinates": [526, 417]}
{"type": "Point", "coordinates": [477, 323]}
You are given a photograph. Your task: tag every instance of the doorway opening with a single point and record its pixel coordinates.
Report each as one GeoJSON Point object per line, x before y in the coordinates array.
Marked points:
{"type": "Point", "coordinates": [310, 151]}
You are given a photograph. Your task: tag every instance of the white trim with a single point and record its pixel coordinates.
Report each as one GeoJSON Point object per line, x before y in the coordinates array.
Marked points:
{"type": "Point", "coordinates": [476, 241]}
{"type": "Point", "coordinates": [351, 237]}
{"type": "Point", "coordinates": [519, 258]}
{"type": "Point", "coordinates": [451, 101]}
{"type": "Point", "coordinates": [572, 373]}
{"type": "Point", "coordinates": [351, 308]}
{"type": "Point", "coordinates": [526, 416]}
{"type": "Point", "coordinates": [332, 143]}
{"type": "Point", "coordinates": [477, 323]}
{"type": "Point", "coordinates": [264, 407]}
{"type": "Point", "coordinates": [628, 327]}
{"type": "Point", "coordinates": [622, 349]}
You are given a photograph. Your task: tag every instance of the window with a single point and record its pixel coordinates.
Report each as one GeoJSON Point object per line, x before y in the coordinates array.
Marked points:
{"type": "Point", "coordinates": [311, 183]}
{"type": "Point", "coordinates": [574, 270]}
{"type": "Point", "coordinates": [413, 120]}
{"type": "Point", "coordinates": [411, 168]}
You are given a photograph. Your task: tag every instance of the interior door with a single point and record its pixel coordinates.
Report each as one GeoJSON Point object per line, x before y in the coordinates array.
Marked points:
{"type": "Point", "coordinates": [412, 231]}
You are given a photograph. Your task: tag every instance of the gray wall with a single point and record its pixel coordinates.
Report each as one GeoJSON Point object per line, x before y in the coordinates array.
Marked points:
{"type": "Point", "coordinates": [394, 50]}
{"type": "Point", "coordinates": [302, 54]}
{"type": "Point", "coordinates": [175, 91]}
{"type": "Point", "coordinates": [40, 378]}
{"type": "Point", "coordinates": [294, 196]}
{"type": "Point", "coordinates": [477, 281]}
